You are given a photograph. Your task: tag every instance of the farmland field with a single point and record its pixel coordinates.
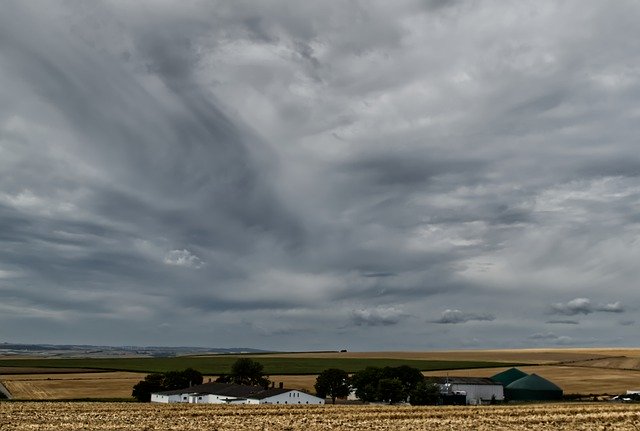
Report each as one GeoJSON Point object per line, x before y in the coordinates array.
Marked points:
{"type": "Point", "coordinates": [71, 385]}
{"type": "Point", "coordinates": [584, 371]}
{"type": "Point", "coordinates": [132, 416]}
{"type": "Point", "coordinates": [221, 364]}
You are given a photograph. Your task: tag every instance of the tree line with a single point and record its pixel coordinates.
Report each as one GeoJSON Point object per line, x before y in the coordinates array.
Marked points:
{"type": "Point", "coordinates": [373, 384]}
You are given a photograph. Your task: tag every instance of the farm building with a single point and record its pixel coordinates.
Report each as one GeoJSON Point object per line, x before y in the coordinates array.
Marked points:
{"type": "Point", "coordinates": [227, 393]}
{"type": "Point", "coordinates": [477, 390]}
{"type": "Point", "coordinates": [533, 388]}
{"type": "Point", "coordinates": [509, 376]}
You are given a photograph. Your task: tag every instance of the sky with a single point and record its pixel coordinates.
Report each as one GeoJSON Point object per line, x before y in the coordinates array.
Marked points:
{"type": "Point", "coordinates": [287, 175]}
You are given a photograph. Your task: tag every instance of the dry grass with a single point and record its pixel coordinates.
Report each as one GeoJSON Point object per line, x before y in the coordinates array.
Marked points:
{"type": "Point", "coordinates": [127, 416]}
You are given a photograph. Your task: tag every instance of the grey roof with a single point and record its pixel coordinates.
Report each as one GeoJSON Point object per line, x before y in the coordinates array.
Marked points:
{"type": "Point", "coordinates": [229, 390]}
{"type": "Point", "coordinates": [463, 380]}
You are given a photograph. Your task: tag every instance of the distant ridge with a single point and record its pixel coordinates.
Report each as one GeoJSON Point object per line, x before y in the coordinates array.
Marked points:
{"type": "Point", "coordinates": [84, 350]}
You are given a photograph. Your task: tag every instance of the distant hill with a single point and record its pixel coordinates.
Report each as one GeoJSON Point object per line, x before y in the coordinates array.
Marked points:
{"type": "Point", "coordinates": [87, 350]}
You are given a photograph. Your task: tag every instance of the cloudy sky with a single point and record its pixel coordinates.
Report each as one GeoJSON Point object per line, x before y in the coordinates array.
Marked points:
{"type": "Point", "coordinates": [320, 175]}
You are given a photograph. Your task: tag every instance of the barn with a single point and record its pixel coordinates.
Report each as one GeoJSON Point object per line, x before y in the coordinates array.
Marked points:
{"type": "Point", "coordinates": [477, 390]}
{"type": "Point", "coordinates": [227, 393]}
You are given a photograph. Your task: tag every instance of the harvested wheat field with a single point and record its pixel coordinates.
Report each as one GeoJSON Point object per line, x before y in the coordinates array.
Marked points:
{"type": "Point", "coordinates": [129, 416]}
{"type": "Point", "coordinates": [70, 386]}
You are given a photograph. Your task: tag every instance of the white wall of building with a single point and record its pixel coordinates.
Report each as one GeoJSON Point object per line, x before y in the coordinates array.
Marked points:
{"type": "Point", "coordinates": [476, 394]}
{"type": "Point", "coordinates": [291, 397]}
{"type": "Point", "coordinates": [159, 398]}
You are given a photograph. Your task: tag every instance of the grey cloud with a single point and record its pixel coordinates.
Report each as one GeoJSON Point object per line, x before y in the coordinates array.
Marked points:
{"type": "Point", "coordinates": [183, 258]}
{"type": "Point", "coordinates": [457, 316]}
{"type": "Point", "coordinates": [585, 306]}
{"type": "Point", "coordinates": [272, 164]}
{"type": "Point", "coordinates": [551, 338]}
{"type": "Point", "coordinates": [380, 316]}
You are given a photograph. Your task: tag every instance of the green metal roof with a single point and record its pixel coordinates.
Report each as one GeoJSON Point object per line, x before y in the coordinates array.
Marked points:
{"type": "Point", "coordinates": [534, 382]}
{"type": "Point", "coordinates": [509, 376]}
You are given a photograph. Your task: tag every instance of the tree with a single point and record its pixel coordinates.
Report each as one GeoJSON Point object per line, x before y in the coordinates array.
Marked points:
{"type": "Point", "coordinates": [409, 377]}
{"type": "Point", "coordinates": [151, 383]}
{"type": "Point", "coordinates": [425, 393]}
{"type": "Point", "coordinates": [391, 390]}
{"type": "Point", "coordinates": [246, 371]}
{"type": "Point", "coordinates": [332, 382]}
{"type": "Point", "coordinates": [157, 382]}
{"type": "Point", "coordinates": [365, 383]}
{"type": "Point", "coordinates": [181, 379]}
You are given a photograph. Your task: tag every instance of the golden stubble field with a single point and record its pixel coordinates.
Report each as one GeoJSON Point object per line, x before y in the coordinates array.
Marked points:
{"type": "Point", "coordinates": [41, 386]}
{"type": "Point", "coordinates": [62, 416]}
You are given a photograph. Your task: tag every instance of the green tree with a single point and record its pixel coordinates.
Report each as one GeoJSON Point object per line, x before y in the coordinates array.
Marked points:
{"type": "Point", "coordinates": [151, 383]}
{"type": "Point", "coordinates": [332, 382]}
{"type": "Point", "coordinates": [409, 377]}
{"type": "Point", "coordinates": [391, 390]}
{"type": "Point", "coordinates": [246, 371]}
{"type": "Point", "coordinates": [158, 382]}
{"type": "Point", "coordinates": [365, 383]}
{"type": "Point", "coordinates": [181, 379]}
{"type": "Point", "coordinates": [425, 393]}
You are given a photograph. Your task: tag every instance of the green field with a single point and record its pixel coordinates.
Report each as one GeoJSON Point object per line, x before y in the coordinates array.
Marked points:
{"type": "Point", "coordinates": [216, 365]}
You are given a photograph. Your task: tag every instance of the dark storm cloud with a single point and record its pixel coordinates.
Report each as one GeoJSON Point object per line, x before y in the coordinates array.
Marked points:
{"type": "Point", "coordinates": [280, 168]}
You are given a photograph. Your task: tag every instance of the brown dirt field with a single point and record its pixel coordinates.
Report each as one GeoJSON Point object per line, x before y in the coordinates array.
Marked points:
{"type": "Point", "coordinates": [196, 417]}
{"type": "Point", "coordinates": [71, 386]}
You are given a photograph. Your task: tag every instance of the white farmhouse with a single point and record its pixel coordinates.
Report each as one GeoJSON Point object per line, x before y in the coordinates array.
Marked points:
{"type": "Point", "coordinates": [226, 393]}
{"type": "Point", "coordinates": [477, 390]}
